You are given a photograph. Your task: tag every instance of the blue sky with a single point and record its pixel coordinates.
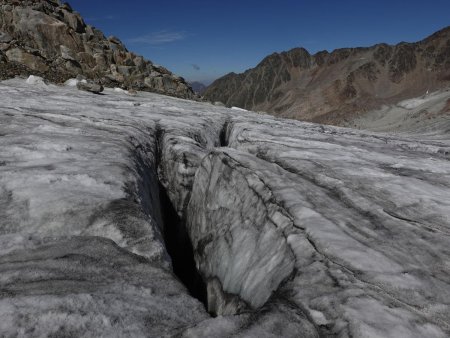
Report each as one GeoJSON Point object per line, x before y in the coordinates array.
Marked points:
{"type": "Point", "coordinates": [203, 40]}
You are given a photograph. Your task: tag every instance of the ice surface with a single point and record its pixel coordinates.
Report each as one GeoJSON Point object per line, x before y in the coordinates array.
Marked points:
{"type": "Point", "coordinates": [298, 229]}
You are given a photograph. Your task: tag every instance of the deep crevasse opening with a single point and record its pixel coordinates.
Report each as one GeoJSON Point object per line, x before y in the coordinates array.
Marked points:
{"type": "Point", "coordinates": [179, 247]}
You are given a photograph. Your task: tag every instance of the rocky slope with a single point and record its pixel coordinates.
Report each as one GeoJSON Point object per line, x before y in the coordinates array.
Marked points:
{"type": "Point", "coordinates": [295, 229]}
{"type": "Point", "coordinates": [47, 38]}
{"type": "Point", "coordinates": [336, 87]}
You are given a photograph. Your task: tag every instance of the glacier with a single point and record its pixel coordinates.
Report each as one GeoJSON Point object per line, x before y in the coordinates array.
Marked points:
{"type": "Point", "coordinates": [295, 229]}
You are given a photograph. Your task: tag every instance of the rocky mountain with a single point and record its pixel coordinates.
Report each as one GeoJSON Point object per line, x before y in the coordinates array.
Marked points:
{"type": "Point", "coordinates": [48, 38]}
{"type": "Point", "coordinates": [140, 216]}
{"type": "Point", "coordinates": [336, 87]}
{"type": "Point", "coordinates": [198, 87]}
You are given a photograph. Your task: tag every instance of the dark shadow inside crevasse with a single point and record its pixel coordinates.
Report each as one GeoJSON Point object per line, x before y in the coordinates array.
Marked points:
{"type": "Point", "coordinates": [180, 249]}
{"type": "Point", "coordinates": [223, 137]}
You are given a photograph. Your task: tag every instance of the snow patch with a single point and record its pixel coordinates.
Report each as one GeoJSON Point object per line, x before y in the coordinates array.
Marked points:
{"type": "Point", "coordinates": [35, 80]}
{"type": "Point", "coordinates": [418, 101]}
{"type": "Point", "coordinates": [238, 109]}
{"type": "Point", "coordinates": [411, 104]}
{"type": "Point", "coordinates": [120, 90]}
{"type": "Point", "coordinates": [73, 82]}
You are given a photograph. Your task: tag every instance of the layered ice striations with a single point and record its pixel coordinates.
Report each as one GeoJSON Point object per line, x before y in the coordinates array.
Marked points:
{"type": "Point", "coordinates": [290, 228]}
{"type": "Point", "coordinates": [237, 231]}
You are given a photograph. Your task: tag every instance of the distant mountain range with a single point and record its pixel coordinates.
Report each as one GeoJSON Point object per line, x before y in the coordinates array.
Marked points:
{"type": "Point", "coordinates": [338, 86]}
{"type": "Point", "coordinates": [198, 87]}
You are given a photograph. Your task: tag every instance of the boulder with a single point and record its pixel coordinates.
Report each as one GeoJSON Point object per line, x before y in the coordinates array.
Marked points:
{"type": "Point", "coordinates": [74, 21]}
{"type": "Point", "coordinates": [90, 87]}
{"type": "Point", "coordinates": [125, 70]}
{"type": "Point", "coordinates": [42, 31]}
{"type": "Point", "coordinates": [115, 40]}
{"type": "Point", "coordinates": [89, 32]}
{"type": "Point", "coordinates": [115, 75]}
{"type": "Point", "coordinates": [73, 67]}
{"type": "Point", "coordinates": [5, 37]}
{"type": "Point", "coordinates": [67, 53]}
{"type": "Point", "coordinates": [86, 59]}
{"type": "Point", "coordinates": [139, 62]}
{"type": "Point", "coordinates": [67, 7]}
{"type": "Point", "coordinates": [101, 60]}
{"type": "Point", "coordinates": [7, 8]}
{"type": "Point", "coordinates": [30, 60]}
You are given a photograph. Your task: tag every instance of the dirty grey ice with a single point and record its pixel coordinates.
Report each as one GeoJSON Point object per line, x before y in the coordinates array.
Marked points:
{"type": "Point", "coordinates": [297, 229]}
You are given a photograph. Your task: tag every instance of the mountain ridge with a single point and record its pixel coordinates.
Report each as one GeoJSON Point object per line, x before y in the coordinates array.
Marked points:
{"type": "Point", "coordinates": [331, 87]}
{"type": "Point", "coordinates": [198, 87]}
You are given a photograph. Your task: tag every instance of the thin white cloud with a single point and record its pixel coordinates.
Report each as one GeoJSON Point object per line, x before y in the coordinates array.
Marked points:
{"type": "Point", "coordinates": [159, 38]}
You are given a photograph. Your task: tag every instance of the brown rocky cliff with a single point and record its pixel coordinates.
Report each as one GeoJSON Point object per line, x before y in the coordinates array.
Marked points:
{"type": "Point", "coordinates": [334, 87]}
{"type": "Point", "coordinates": [48, 38]}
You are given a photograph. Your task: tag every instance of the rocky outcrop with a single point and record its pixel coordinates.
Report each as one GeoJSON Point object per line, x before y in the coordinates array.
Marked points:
{"type": "Point", "coordinates": [336, 87]}
{"type": "Point", "coordinates": [90, 87]}
{"type": "Point", "coordinates": [50, 39]}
